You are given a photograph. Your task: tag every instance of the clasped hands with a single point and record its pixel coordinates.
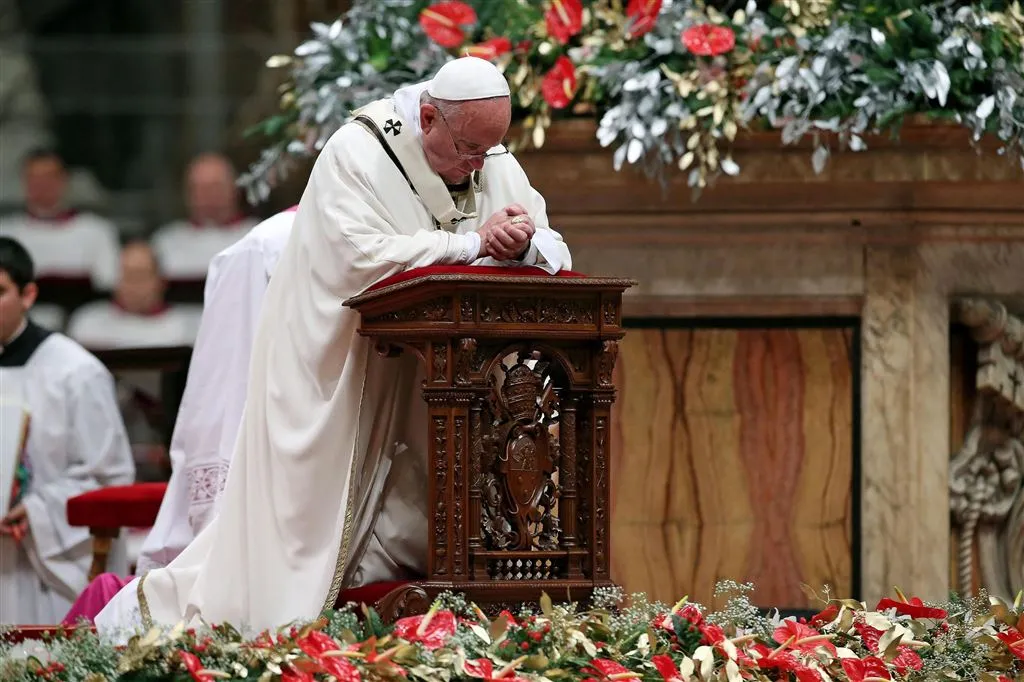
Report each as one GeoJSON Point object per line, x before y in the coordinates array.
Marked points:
{"type": "Point", "coordinates": [506, 234]}
{"type": "Point", "coordinates": [15, 523]}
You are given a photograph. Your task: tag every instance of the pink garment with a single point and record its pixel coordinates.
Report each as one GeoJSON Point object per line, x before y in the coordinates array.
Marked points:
{"type": "Point", "coordinates": [95, 597]}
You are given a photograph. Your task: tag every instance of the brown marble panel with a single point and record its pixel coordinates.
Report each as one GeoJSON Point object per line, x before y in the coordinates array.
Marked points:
{"type": "Point", "coordinates": [735, 460]}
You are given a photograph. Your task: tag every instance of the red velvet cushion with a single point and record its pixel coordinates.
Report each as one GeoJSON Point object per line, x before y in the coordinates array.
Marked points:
{"type": "Point", "coordinates": [131, 506]}
{"type": "Point", "coordinates": [369, 594]}
{"type": "Point", "coordinates": [469, 270]}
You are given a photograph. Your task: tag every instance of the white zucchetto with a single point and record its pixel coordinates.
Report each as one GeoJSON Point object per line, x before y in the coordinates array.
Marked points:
{"type": "Point", "coordinates": [468, 78]}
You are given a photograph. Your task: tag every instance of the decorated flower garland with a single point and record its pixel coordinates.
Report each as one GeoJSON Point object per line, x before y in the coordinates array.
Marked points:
{"type": "Point", "coordinates": [900, 639]}
{"type": "Point", "coordinates": [672, 82]}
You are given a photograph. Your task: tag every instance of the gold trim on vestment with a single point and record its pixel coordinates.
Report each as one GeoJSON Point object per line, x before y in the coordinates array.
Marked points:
{"type": "Point", "coordinates": [147, 617]}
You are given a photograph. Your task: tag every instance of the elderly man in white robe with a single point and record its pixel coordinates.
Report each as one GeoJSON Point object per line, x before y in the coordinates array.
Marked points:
{"type": "Point", "coordinates": [62, 398]}
{"type": "Point", "coordinates": [327, 483]}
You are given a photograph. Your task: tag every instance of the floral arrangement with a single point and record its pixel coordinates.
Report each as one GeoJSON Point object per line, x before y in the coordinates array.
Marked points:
{"type": "Point", "coordinates": [900, 639]}
{"type": "Point", "coordinates": [672, 82]}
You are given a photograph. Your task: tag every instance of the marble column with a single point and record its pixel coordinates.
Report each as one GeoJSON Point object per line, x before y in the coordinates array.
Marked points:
{"type": "Point", "coordinates": [905, 427]}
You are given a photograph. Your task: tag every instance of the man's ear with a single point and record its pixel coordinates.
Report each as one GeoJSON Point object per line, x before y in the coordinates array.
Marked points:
{"type": "Point", "coordinates": [428, 116]}
{"type": "Point", "coordinates": [29, 293]}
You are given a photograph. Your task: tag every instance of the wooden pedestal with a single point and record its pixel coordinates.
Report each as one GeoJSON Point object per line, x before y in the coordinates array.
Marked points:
{"type": "Point", "coordinates": [519, 389]}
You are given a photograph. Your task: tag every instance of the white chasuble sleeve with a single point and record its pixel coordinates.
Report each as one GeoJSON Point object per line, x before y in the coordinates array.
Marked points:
{"type": "Point", "coordinates": [504, 177]}
{"type": "Point", "coordinates": [97, 455]}
{"type": "Point", "coordinates": [212, 404]}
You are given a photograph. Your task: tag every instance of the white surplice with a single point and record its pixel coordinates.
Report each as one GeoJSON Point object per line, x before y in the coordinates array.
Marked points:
{"type": "Point", "coordinates": [308, 507]}
{"type": "Point", "coordinates": [73, 246]}
{"type": "Point", "coordinates": [76, 443]}
{"type": "Point", "coordinates": [102, 325]}
{"type": "Point", "coordinates": [185, 249]}
{"type": "Point", "coordinates": [218, 374]}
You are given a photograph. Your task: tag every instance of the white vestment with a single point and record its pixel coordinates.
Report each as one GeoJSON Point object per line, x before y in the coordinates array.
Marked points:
{"type": "Point", "coordinates": [211, 407]}
{"type": "Point", "coordinates": [185, 249]}
{"type": "Point", "coordinates": [309, 507]}
{"type": "Point", "coordinates": [77, 246]}
{"type": "Point", "coordinates": [102, 325]}
{"type": "Point", "coordinates": [76, 443]}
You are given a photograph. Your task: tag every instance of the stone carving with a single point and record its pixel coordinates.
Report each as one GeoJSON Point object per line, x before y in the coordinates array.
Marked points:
{"type": "Point", "coordinates": [986, 474]}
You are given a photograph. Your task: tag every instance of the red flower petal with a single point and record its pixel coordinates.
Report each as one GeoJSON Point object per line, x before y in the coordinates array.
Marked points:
{"type": "Point", "coordinates": [607, 668]}
{"type": "Point", "coordinates": [482, 668]}
{"type": "Point", "coordinates": [643, 14]}
{"type": "Point", "coordinates": [193, 665]}
{"type": "Point", "coordinates": [490, 49]}
{"type": "Point", "coordinates": [826, 615]}
{"type": "Point", "coordinates": [858, 669]}
{"type": "Point", "coordinates": [443, 22]}
{"type": "Point", "coordinates": [666, 667]}
{"type": "Point", "coordinates": [1013, 639]}
{"type": "Point", "coordinates": [559, 84]}
{"type": "Point", "coordinates": [564, 19]}
{"type": "Point", "coordinates": [440, 627]}
{"type": "Point", "coordinates": [914, 608]}
{"type": "Point", "coordinates": [907, 659]}
{"type": "Point", "coordinates": [799, 631]}
{"type": "Point", "coordinates": [708, 40]}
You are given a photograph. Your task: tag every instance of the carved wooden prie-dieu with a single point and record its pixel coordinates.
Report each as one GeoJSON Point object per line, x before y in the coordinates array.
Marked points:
{"type": "Point", "coordinates": [518, 384]}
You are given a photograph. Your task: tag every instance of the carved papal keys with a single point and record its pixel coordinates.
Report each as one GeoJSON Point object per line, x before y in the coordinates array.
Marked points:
{"type": "Point", "coordinates": [518, 384]}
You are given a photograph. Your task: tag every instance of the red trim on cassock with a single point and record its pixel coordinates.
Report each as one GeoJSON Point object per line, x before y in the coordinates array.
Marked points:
{"type": "Point", "coordinates": [122, 506]}
{"type": "Point", "coordinates": [469, 270]}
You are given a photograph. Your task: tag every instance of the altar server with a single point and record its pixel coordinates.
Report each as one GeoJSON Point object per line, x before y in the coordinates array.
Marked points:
{"type": "Point", "coordinates": [214, 222]}
{"type": "Point", "coordinates": [60, 400]}
{"type": "Point", "coordinates": [64, 243]}
{"type": "Point", "coordinates": [326, 486]}
{"type": "Point", "coordinates": [137, 316]}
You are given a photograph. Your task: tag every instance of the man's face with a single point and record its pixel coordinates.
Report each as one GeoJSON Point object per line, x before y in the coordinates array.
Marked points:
{"type": "Point", "coordinates": [141, 288]}
{"type": "Point", "coordinates": [211, 193]}
{"type": "Point", "coordinates": [45, 182]}
{"type": "Point", "coordinates": [13, 305]}
{"type": "Point", "coordinates": [456, 145]}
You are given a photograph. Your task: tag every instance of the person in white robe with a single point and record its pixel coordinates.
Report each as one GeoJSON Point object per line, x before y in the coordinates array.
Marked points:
{"type": "Point", "coordinates": [65, 244]}
{"type": "Point", "coordinates": [326, 486]}
{"type": "Point", "coordinates": [218, 374]}
{"type": "Point", "coordinates": [75, 442]}
{"type": "Point", "coordinates": [214, 222]}
{"type": "Point", "coordinates": [138, 315]}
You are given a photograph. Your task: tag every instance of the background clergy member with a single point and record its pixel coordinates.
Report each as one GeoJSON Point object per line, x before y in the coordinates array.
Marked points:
{"type": "Point", "coordinates": [211, 407]}
{"type": "Point", "coordinates": [137, 316]}
{"type": "Point", "coordinates": [76, 442]}
{"type": "Point", "coordinates": [326, 486]}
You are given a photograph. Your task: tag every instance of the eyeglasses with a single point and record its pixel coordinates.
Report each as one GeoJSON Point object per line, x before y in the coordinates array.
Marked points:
{"type": "Point", "coordinates": [458, 152]}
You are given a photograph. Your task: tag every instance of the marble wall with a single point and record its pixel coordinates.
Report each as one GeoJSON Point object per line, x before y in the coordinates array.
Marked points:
{"type": "Point", "coordinates": [902, 292]}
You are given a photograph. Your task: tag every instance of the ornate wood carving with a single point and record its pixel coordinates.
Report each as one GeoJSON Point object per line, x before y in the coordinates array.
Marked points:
{"type": "Point", "coordinates": [436, 310]}
{"type": "Point", "coordinates": [987, 474]}
{"type": "Point", "coordinates": [519, 388]}
{"type": "Point", "coordinates": [402, 602]}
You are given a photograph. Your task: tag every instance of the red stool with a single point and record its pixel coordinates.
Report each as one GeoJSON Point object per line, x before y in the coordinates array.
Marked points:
{"type": "Point", "coordinates": [107, 510]}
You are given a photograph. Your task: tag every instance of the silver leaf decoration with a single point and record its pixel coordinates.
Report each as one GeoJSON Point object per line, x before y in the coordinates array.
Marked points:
{"type": "Point", "coordinates": [819, 159]}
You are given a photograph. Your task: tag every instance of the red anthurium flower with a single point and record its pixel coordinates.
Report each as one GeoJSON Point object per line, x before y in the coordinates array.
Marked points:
{"type": "Point", "coordinates": [913, 607]}
{"type": "Point", "coordinates": [316, 644]}
{"type": "Point", "coordinates": [783, 662]}
{"type": "Point", "coordinates": [1015, 640]}
{"type": "Point", "coordinates": [559, 84]}
{"type": "Point", "coordinates": [604, 670]}
{"type": "Point", "coordinates": [483, 669]}
{"type": "Point", "coordinates": [860, 669]}
{"type": "Point", "coordinates": [708, 40]}
{"type": "Point", "coordinates": [825, 616]}
{"type": "Point", "coordinates": [431, 630]}
{"type": "Point", "coordinates": [907, 659]}
{"type": "Point", "coordinates": [666, 667]}
{"type": "Point", "coordinates": [642, 14]}
{"type": "Point", "coordinates": [443, 22]}
{"type": "Point", "coordinates": [805, 638]}
{"type": "Point", "coordinates": [194, 667]}
{"type": "Point", "coordinates": [490, 49]}
{"type": "Point", "coordinates": [564, 19]}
